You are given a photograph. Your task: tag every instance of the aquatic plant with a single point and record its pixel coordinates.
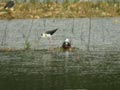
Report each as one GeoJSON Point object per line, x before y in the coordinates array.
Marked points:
{"type": "Point", "coordinates": [27, 45]}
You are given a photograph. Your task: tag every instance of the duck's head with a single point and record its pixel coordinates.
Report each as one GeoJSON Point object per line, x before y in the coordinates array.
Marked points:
{"type": "Point", "coordinates": [66, 44]}
{"type": "Point", "coordinates": [67, 40]}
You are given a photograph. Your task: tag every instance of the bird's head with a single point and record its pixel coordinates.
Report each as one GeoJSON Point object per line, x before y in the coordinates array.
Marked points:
{"type": "Point", "coordinates": [67, 40]}
{"type": "Point", "coordinates": [66, 44]}
{"type": "Point", "coordinates": [42, 35]}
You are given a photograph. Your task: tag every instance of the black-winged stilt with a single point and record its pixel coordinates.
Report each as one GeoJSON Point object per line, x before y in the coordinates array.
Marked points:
{"type": "Point", "coordinates": [48, 34]}
{"type": "Point", "coordinates": [9, 5]}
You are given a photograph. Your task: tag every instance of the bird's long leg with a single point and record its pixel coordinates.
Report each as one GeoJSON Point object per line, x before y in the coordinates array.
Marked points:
{"type": "Point", "coordinates": [50, 42]}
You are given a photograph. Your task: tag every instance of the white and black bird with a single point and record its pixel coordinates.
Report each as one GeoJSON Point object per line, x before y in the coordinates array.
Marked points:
{"type": "Point", "coordinates": [10, 5]}
{"type": "Point", "coordinates": [48, 34]}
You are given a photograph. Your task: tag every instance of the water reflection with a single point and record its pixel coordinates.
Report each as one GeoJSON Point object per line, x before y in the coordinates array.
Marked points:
{"type": "Point", "coordinates": [46, 70]}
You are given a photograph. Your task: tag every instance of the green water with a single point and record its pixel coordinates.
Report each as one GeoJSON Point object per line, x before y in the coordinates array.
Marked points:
{"type": "Point", "coordinates": [45, 70]}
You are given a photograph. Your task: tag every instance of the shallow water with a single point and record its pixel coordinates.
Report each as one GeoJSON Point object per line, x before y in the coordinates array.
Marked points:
{"type": "Point", "coordinates": [46, 70]}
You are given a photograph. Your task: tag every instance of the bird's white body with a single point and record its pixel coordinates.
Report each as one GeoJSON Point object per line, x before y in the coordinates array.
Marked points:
{"type": "Point", "coordinates": [11, 9]}
{"type": "Point", "coordinates": [48, 34]}
{"type": "Point", "coordinates": [44, 35]}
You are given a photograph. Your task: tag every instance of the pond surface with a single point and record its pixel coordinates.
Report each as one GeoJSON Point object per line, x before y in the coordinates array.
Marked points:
{"type": "Point", "coordinates": [46, 70]}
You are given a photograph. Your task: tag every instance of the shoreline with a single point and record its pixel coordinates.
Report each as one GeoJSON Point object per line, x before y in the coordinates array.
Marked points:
{"type": "Point", "coordinates": [61, 10]}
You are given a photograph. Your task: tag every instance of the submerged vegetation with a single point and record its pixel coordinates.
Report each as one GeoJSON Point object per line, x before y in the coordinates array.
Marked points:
{"type": "Point", "coordinates": [60, 10]}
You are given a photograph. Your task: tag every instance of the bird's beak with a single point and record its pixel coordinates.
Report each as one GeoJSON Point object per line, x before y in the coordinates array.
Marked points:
{"type": "Point", "coordinates": [39, 38]}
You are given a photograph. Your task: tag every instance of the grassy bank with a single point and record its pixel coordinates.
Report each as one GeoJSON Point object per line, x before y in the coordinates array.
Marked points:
{"type": "Point", "coordinates": [61, 10]}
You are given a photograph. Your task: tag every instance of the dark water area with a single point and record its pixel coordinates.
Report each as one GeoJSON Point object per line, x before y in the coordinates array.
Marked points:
{"type": "Point", "coordinates": [46, 70]}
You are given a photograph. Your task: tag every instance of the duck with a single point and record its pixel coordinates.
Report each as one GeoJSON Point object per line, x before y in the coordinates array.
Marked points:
{"type": "Point", "coordinates": [67, 46]}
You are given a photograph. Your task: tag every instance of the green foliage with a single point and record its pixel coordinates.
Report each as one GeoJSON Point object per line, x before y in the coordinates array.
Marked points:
{"type": "Point", "coordinates": [24, 0]}
{"type": "Point", "coordinates": [28, 46]}
{"type": "Point", "coordinates": [118, 11]}
{"type": "Point", "coordinates": [75, 1]}
{"type": "Point", "coordinates": [32, 1]}
{"type": "Point", "coordinates": [67, 1]}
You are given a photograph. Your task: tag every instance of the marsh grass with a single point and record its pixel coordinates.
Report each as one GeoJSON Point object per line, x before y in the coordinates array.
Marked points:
{"type": "Point", "coordinates": [37, 10]}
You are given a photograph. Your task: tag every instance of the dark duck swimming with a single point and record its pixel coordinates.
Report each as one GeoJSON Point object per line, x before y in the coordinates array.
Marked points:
{"type": "Point", "coordinates": [66, 44]}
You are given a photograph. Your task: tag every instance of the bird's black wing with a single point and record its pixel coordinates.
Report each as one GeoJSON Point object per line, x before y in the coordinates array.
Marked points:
{"type": "Point", "coordinates": [9, 4]}
{"type": "Point", "coordinates": [51, 32]}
